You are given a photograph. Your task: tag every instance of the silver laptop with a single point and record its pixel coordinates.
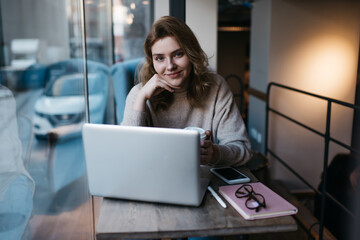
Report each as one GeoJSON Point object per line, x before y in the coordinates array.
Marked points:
{"type": "Point", "coordinates": [144, 163]}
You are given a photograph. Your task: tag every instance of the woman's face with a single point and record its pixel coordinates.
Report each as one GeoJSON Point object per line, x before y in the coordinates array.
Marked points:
{"type": "Point", "coordinates": [171, 63]}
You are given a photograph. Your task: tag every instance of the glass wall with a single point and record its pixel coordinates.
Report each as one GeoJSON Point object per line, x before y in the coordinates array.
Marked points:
{"type": "Point", "coordinates": [43, 182]}
{"type": "Point", "coordinates": [43, 185]}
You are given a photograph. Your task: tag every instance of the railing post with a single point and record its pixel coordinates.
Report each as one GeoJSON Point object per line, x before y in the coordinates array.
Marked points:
{"type": "Point", "coordinates": [267, 118]}
{"type": "Point", "coordinates": [326, 158]}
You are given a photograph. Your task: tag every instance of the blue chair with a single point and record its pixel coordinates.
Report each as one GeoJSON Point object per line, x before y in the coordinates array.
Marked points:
{"type": "Point", "coordinates": [123, 77]}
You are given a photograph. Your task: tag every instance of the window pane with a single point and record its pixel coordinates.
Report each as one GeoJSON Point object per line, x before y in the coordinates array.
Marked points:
{"type": "Point", "coordinates": [42, 107]}
{"type": "Point", "coordinates": [43, 185]}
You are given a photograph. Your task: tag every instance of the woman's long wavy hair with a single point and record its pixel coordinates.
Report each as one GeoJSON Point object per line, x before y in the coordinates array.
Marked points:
{"type": "Point", "coordinates": [200, 76]}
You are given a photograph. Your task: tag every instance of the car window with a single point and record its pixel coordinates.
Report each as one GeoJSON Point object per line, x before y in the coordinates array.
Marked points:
{"type": "Point", "coordinates": [66, 85]}
{"type": "Point", "coordinates": [96, 83]}
{"type": "Point", "coordinates": [72, 85]}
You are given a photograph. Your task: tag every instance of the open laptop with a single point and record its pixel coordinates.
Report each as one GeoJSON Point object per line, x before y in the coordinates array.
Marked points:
{"type": "Point", "coordinates": [144, 163]}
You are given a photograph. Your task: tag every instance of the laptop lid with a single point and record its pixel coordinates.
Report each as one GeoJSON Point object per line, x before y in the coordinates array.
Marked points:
{"type": "Point", "coordinates": [144, 163]}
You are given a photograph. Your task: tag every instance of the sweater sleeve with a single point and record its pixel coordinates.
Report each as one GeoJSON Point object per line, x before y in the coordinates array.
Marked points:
{"type": "Point", "coordinates": [230, 134]}
{"type": "Point", "coordinates": [133, 117]}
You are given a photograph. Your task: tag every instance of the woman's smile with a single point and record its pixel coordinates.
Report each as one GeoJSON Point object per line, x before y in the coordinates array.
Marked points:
{"type": "Point", "coordinates": [174, 74]}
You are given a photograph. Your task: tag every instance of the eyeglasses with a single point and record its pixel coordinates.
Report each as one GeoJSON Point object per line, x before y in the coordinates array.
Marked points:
{"type": "Point", "coordinates": [254, 200]}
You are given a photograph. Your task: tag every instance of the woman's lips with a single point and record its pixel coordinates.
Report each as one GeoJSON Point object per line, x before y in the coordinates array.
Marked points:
{"type": "Point", "coordinates": [173, 75]}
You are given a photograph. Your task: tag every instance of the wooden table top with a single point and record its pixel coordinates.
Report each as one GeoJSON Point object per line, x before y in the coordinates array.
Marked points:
{"type": "Point", "coordinates": [133, 219]}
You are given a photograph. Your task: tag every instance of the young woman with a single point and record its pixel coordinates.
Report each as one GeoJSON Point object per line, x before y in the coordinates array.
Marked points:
{"type": "Point", "coordinates": [176, 90]}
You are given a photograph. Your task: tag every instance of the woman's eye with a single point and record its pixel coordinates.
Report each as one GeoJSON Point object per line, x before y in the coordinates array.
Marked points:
{"type": "Point", "coordinates": [179, 54]}
{"type": "Point", "coordinates": [159, 58]}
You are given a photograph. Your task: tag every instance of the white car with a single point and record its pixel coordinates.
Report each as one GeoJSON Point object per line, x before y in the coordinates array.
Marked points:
{"type": "Point", "coordinates": [61, 108]}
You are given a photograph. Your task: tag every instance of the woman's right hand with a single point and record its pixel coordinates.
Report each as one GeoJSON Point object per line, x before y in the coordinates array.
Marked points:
{"type": "Point", "coordinates": [153, 87]}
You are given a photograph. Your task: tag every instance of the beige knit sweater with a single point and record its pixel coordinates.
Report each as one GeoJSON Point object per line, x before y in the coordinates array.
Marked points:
{"type": "Point", "coordinates": [218, 113]}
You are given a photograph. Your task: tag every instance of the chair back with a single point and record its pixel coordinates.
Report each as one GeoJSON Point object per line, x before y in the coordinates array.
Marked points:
{"type": "Point", "coordinates": [123, 76]}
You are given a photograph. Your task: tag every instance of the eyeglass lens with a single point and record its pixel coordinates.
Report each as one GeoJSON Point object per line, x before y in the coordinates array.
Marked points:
{"type": "Point", "coordinates": [244, 191]}
{"type": "Point", "coordinates": [254, 201]}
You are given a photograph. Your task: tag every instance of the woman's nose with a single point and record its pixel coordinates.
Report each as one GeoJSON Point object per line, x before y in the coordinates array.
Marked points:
{"type": "Point", "coordinates": [170, 65]}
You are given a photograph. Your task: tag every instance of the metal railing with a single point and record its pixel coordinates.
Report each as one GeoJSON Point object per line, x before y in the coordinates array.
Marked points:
{"type": "Point", "coordinates": [327, 139]}
{"type": "Point", "coordinates": [239, 95]}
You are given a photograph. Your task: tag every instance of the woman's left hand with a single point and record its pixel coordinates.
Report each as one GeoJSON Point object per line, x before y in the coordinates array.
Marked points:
{"type": "Point", "coordinates": [207, 155]}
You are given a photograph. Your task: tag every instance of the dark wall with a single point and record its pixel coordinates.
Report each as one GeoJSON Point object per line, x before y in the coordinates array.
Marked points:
{"type": "Point", "coordinates": [355, 143]}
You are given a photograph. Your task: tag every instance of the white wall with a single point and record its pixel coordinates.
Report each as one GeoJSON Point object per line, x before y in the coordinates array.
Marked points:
{"type": "Point", "coordinates": [311, 46]}
{"type": "Point", "coordinates": [260, 44]}
{"type": "Point", "coordinates": [259, 70]}
{"type": "Point", "coordinates": [201, 16]}
{"type": "Point", "coordinates": [161, 8]}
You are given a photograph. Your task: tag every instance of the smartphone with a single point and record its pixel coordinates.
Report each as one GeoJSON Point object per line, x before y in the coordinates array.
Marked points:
{"type": "Point", "coordinates": [230, 175]}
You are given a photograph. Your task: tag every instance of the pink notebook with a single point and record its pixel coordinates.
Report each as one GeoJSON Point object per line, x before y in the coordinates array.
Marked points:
{"type": "Point", "coordinates": [275, 204]}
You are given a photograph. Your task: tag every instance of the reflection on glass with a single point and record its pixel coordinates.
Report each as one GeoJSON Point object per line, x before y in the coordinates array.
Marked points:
{"type": "Point", "coordinates": [16, 185]}
{"type": "Point", "coordinates": [43, 71]}
{"type": "Point", "coordinates": [132, 20]}
{"type": "Point", "coordinates": [98, 31]}
{"type": "Point", "coordinates": [60, 109]}
{"type": "Point", "coordinates": [42, 68]}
